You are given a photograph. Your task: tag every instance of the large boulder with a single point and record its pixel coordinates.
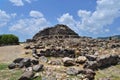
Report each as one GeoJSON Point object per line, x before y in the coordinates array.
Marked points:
{"type": "Point", "coordinates": [34, 62]}
{"type": "Point", "coordinates": [91, 57]}
{"type": "Point", "coordinates": [89, 74]}
{"type": "Point", "coordinates": [43, 59]}
{"type": "Point", "coordinates": [68, 61]}
{"type": "Point", "coordinates": [21, 62]}
{"type": "Point", "coordinates": [28, 75]}
{"type": "Point", "coordinates": [72, 71]}
{"type": "Point", "coordinates": [38, 68]}
{"type": "Point", "coordinates": [107, 60]}
{"type": "Point", "coordinates": [12, 66]}
{"type": "Point", "coordinates": [102, 61]}
{"type": "Point", "coordinates": [81, 59]}
{"type": "Point", "coordinates": [91, 65]}
{"type": "Point", "coordinates": [20, 65]}
{"type": "Point", "coordinates": [26, 62]}
{"type": "Point", "coordinates": [55, 62]}
{"type": "Point", "coordinates": [18, 60]}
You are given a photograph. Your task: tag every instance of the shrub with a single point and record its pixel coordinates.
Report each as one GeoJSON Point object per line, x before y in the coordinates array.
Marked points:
{"type": "Point", "coordinates": [8, 39]}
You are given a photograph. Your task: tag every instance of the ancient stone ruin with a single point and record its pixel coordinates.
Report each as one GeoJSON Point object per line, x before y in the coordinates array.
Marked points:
{"type": "Point", "coordinates": [58, 31]}
{"type": "Point", "coordinates": [60, 53]}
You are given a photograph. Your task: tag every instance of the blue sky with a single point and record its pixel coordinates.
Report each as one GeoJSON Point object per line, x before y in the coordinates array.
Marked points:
{"type": "Point", "coordinates": [93, 18]}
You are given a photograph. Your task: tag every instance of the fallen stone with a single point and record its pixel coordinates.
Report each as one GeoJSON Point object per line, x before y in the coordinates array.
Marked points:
{"type": "Point", "coordinates": [26, 62]}
{"type": "Point", "coordinates": [81, 59]}
{"type": "Point", "coordinates": [35, 56]}
{"type": "Point", "coordinates": [72, 71]}
{"type": "Point", "coordinates": [107, 60]}
{"type": "Point", "coordinates": [38, 68]}
{"type": "Point", "coordinates": [18, 60]}
{"type": "Point", "coordinates": [34, 62]}
{"type": "Point", "coordinates": [27, 75]}
{"type": "Point", "coordinates": [12, 66]}
{"type": "Point", "coordinates": [91, 57]}
{"type": "Point", "coordinates": [91, 65]}
{"type": "Point", "coordinates": [20, 65]}
{"type": "Point", "coordinates": [68, 61]}
{"type": "Point", "coordinates": [55, 62]}
{"type": "Point", "coordinates": [90, 74]}
{"type": "Point", "coordinates": [43, 59]}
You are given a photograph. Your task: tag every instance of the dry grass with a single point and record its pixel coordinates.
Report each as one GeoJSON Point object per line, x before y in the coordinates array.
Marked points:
{"type": "Point", "coordinates": [112, 72]}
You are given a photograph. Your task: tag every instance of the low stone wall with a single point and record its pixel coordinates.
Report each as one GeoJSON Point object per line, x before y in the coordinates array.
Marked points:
{"type": "Point", "coordinates": [103, 61]}
{"type": "Point", "coordinates": [57, 53]}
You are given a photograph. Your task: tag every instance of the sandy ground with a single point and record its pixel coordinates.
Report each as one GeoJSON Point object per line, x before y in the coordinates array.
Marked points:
{"type": "Point", "coordinates": [9, 53]}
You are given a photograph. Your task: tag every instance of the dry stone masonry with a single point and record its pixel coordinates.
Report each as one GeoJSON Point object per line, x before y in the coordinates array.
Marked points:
{"type": "Point", "coordinates": [61, 54]}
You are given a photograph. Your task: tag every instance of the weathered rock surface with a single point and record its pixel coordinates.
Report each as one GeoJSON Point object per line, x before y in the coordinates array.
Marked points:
{"type": "Point", "coordinates": [43, 59]}
{"type": "Point", "coordinates": [91, 57]}
{"type": "Point", "coordinates": [89, 74]}
{"type": "Point", "coordinates": [55, 62]}
{"type": "Point", "coordinates": [26, 62]}
{"type": "Point", "coordinates": [103, 61]}
{"type": "Point", "coordinates": [18, 60]}
{"type": "Point", "coordinates": [12, 66]}
{"type": "Point", "coordinates": [68, 61]}
{"type": "Point", "coordinates": [34, 62]}
{"type": "Point", "coordinates": [81, 59]}
{"type": "Point", "coordinates": [38, 68]}
{"type": "Point", "coordinates": [57, 53]}
{"type": "Point", "coordinates": [59, 31]}
{"type": "Point", "coordinates": [74, 51]}
{"type": "Point", "coordinates": [26, 75]}
{"type": "Point", "coordinates": [72, 71]}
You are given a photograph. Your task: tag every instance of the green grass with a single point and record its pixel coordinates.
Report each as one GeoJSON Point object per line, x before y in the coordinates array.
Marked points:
{"type": "Point", "coordinates": [14, 74]}
{"type": "Point", "coordinates": [3, 66]}
{"type": "Point", "coordinates": [6, 74]}
{"type": "Point", "coordinates": [112, 72]}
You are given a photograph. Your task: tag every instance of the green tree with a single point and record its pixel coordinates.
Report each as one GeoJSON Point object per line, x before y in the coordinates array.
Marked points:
{"type": "Point", "coordinates": [8, 39]}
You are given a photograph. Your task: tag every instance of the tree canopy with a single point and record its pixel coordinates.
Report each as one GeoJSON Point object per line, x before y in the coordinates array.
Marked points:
{"type": "Point", "coordinates": [8, 39]}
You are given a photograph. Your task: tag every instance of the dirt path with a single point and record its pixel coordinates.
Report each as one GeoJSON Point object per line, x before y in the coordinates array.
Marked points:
{"type": "Point", "coordinates": [9, 53]}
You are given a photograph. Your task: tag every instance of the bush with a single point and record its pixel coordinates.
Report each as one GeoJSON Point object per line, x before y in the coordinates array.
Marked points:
{"type": "Point", "coordinates": [8, 39]}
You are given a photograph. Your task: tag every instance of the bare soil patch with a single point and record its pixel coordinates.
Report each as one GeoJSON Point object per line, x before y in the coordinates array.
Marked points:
{"type": "Point", "coordinates": [9, 53]}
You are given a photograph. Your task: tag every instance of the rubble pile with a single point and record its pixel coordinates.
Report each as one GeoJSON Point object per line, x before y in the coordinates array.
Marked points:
{"type": "Point", "coordinates": [61, 54]}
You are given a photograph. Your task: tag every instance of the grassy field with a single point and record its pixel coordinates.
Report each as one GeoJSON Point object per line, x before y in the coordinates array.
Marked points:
{"type": "Point", "coordinates": [6, 74]}
{"type": "Point", "coordinates": [14, 74]}
{"type": "Point", "coordinates": [112, 72]}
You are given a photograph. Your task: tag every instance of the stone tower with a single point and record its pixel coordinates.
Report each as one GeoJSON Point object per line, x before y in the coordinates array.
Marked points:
{"type": "Point", "coordinates": [58, 31]}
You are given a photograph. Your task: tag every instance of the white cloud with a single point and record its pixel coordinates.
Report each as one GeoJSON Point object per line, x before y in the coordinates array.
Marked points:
{"type": "Point", "coordinates": [5, 18]}
{"type": "Point", "coordinates": [35, 14]}
{"type": "Point", "coordinates": [105, 13]}
{"type": "Point", "coordinates": [19, 2]}
{"type": "Point", "coordinates": [68, 20]}
{"type": "Point", "coordinates": [29, 25]}
{"type": "Point", "coordinates": [94, 22]}
{"type": "Point", "coordinates": [107, 30]}
{"type": "Point", "coordinates": [84, 13]}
